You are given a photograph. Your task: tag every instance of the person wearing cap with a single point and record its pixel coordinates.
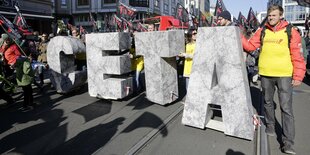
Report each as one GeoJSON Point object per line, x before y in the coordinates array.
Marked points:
{"type": "Point", "coordinates": [224, 19]}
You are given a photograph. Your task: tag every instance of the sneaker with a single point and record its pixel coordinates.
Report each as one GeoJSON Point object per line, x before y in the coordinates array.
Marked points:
{"type": "Point", "coordinates": [288, 149]}
{"type": "Point", "coordinates": [270, 130]}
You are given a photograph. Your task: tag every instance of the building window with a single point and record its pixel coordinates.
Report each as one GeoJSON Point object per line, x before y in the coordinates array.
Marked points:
{"type": "Point", "coordinates": [172, 11]}
{"type": "Point", "coordinates": [166, 7]}
{"type": "Point", "coordinates": [83, 18]}
{"type": "Point", "coordinates": [83, 2]}
{"type": "Point", "coordinates": [139, 3]}
{"type": "Point", "coordinates": [295, 13]}
{"type": "Point", "coordinates": [63, 2]}
{"type": "Point", "coordinates": [156, 3]}
{"type": "Point", "coordinates": [288, 1]}
{"type": "Point", "coordinates": [109, 1]}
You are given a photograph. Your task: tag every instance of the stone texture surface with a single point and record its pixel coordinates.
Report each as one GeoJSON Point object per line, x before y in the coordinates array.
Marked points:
{"type": "Point", "coordinates": [159, 50]}
{"type": "Point", "coordinates": [101, 65]}
{"type": "Point", "coordinates": [161, 43]}
{"type": "Point", "coordinates": [61, 52]}
{"type": "Point", "coordinates": [65, 82]}
{"type": "Point", "coordinates": [116, 88]}
{"type": "Point", "coordinates": [219, 77]}
{"type": "Point", "coordinates": [109, 41]}
{"type": "Point", "coordinates": [116, 65]}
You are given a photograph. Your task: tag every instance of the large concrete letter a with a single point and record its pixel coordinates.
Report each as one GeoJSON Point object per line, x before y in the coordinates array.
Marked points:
{"type": "Point", "coordinates": [219, 77]}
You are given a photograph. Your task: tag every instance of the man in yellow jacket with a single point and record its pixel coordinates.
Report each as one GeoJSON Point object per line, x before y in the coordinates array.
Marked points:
{"type": "Point", "coordinates": [280, 65]}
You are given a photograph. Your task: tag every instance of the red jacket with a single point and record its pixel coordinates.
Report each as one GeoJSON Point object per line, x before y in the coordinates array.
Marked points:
{"type": "Point", "coordinates": [11, 53]}
{"type": "Point", "coordinates": [299, 66]}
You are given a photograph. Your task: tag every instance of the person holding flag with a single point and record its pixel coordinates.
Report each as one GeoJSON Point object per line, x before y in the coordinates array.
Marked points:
{"type": "Point", "coordinates": [24, 72]}
{"type": "Point", "coordinates": [10, 52]}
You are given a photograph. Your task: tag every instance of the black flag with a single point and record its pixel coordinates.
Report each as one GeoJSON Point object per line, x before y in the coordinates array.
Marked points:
{"type": "Point", "coordinates": [125, 11]}
{"type": "Point", "coordinates": [252, 20]}
{"type": "Point", "coordinates": [181, 13]}
{"type": "Point", "coordinates": [220, 7]}
{"type": "Point", "coordinates": [242, 22]}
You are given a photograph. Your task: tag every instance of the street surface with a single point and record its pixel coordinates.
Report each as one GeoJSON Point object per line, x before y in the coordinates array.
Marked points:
{"type": "Point", "coordinates": [76, 123]}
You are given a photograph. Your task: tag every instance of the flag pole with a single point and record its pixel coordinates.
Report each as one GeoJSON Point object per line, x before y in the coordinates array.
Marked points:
{"type": "Point", "coordinates": [22, 51]}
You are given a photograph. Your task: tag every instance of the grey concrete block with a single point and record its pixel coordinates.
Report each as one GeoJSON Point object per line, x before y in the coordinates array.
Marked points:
{"type": "Point", "coordinates": [163, 43]}
{"type": "Point", "coordinates": [116, 65]}
{"type": "Point", "coordinates": [115, 88]}
{"type": "Point", "coordinates": [61, 52]}
{"type": "Point", "coordinates": [109, 41]}
{"type": "Point", "coordinates": [219, 77]}
{"type": "Point", "coordinates": [159, 50]}
{"type": "Point", "coordinates": [66, 82]}
{"type": "Point", "coordinates": [101, 66]}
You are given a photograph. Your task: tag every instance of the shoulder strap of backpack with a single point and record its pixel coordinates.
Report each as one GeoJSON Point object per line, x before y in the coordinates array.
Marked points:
{"type": "Point", "coordinates": [262, 35]}
{"type": "Point", "coordinates": [289, 33]}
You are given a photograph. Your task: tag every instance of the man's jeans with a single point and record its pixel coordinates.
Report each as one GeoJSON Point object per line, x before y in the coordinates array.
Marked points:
{"type": "Point", "coordinates": [285, 91]}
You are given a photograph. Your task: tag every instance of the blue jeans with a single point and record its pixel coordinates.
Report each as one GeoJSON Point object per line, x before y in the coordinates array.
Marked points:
{"type": "Point", "coordinates": [138, 83]}
{"type": "Point", "coordinates": [186, 83]}
{"type": "Point", "coordinates": [285, 92]}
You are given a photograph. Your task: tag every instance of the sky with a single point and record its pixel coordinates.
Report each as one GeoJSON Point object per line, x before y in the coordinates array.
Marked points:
{"type": "Point", "coordinates": [235, 6]}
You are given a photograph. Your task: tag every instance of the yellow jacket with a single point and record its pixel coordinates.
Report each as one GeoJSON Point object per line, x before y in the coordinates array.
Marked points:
{"type": "Point", "coordinates": [137, 62]}
{"type": "Point", "coordinates": [275, 58]}
{"type": "Point", "coordinates": [190, 48]}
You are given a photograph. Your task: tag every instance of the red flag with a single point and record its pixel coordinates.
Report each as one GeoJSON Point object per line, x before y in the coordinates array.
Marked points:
{"type": "Point", "coordinates": [141, 28]}
{"type": "Point", "coordinates": [19, 19]}
{"type": "Point", "coordinates": [127, 24]}
{"type": "Point", "coordinates": [252, 20]}
{"type": "Point", "coordinates": [82, 30]}
{"type": "Point", "coordinates": [93, 22]}
{"type": "Point", "coordinates": [220, 7]}
{"type": "Point", "coordinates": [181, 13]}
{"type": "Point", "coordinates": [242, 22]}
{"type": "Point", "coordinates": [10, 28]}
{"type": "Point", "coordinates": [118, 22]}
{"type": "Point", "coordinates": [126, 11]}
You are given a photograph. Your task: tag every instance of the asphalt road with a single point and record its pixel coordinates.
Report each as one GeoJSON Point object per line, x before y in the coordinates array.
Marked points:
{"type": "Point", "coordinates": [76, 123]}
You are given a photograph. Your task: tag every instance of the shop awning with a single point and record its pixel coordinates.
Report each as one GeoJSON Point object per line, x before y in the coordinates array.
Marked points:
{"type": "Point", "coordinates": [27, 15]}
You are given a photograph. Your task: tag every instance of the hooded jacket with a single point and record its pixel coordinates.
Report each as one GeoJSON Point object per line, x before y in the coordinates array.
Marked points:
{"type": "Point", "coordinates": [11, 53]}
{"type": "Point", "coordinates": [24, 72]}
{"type": "Point", "coordinates": [296, 58]}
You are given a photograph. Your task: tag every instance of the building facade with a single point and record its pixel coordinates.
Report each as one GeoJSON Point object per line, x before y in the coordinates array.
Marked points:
{"type": "Point", "coordinates": [38, 13]}
{"type": "Point", "coordinates": [293, 12]}
{"type": "Point", "coordinates": [194, 6]}
{"type": "Point", "coordinates": [77, 12]}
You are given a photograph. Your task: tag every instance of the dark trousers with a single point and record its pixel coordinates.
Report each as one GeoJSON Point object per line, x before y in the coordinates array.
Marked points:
{"type": "Point", "coordinates": [4, 95]}
{"type": "Point", "coordinates": [28, 98]}
{"type": "Point", "coordinates": [285, 91]}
